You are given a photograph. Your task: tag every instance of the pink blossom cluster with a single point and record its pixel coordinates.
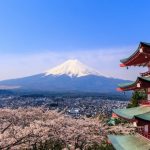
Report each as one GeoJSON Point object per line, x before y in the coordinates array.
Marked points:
{"type": "Point", "coordinates": [21, 128]}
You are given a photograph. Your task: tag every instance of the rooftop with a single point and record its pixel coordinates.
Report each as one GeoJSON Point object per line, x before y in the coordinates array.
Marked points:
{"type": "Point", "coordinates": [140, 83]}
{"type": "Point", "coordinates": [140, 57]}
{"type": "Point", "coordinates": [130, 113]}
{"type": "Point", "coordinates": [145, 116]}
{"type": "Point", "coordinates": [129, 142]}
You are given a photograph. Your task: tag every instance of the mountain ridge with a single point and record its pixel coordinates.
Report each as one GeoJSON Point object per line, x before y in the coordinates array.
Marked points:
{"type": "Point", "coordinates": [81, 78]}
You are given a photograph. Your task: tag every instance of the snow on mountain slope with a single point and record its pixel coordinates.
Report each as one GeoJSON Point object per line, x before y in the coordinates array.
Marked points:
{"type": "Point", "coordinates": [72, 68]}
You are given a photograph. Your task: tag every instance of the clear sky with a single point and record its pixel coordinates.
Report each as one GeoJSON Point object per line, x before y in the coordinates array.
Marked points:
{"type": "Point", "coordinates": [36, 35]}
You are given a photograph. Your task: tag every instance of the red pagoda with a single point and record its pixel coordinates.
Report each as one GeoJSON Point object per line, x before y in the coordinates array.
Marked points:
{"type": "Point", "coordinates": [140, 116]}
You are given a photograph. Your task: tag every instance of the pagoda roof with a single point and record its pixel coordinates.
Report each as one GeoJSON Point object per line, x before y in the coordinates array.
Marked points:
{"type": "Point", "coordinates": [145, 116]}
{"type": "Point", "coordinates": [141, 57]}
{"type": "Point", "coordinates": [130, 113]}
{"type": "Point", "coordinates": [129, 142]}
{"type": "Point", "coordinates": [140, 83]}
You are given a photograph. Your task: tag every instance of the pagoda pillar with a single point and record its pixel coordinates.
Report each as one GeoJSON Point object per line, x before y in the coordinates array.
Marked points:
{"type": "Point", "coordinates": [148, 94]}
{"type": "Point", "coordinates": [148, 66]}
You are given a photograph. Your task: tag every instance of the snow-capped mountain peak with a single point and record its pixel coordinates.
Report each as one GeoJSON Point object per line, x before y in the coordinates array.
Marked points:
{"type": "Point", "coordinates": [72, 68]}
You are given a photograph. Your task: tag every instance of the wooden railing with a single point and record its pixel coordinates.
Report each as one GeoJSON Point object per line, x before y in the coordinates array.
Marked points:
{"type": "Point", "coordinates": [145, 74]}
{"type": "Point", "coordinates": [144, 102]}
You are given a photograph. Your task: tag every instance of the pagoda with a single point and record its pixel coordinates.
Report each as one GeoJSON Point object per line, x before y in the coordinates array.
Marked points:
{"type": "Point", "coordinates": [139, 116]}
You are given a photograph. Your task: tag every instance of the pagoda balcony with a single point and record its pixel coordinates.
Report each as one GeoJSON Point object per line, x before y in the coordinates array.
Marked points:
{"type": "Point", "coordinates": [145, 74]}
{"type": "Point", "coordinates": [144, 102]}
{"type": "Point", "coordinates": [140, 130]}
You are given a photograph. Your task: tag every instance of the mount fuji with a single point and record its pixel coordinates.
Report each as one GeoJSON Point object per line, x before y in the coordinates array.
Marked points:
{"type": "Point", "coordinates": [70, 76]}
{"type": "Point", "coordinates": [72, 68]}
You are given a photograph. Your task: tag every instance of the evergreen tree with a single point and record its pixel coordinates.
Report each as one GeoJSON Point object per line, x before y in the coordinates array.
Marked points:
{"type": "Point", "coordinates": [136, 97]}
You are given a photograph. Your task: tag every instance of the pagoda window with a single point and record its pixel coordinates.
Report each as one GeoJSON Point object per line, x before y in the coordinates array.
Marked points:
{"type": "Point", "coordinates": [141, 50]}
{"type": "Point", "coordinates": [138, 85]}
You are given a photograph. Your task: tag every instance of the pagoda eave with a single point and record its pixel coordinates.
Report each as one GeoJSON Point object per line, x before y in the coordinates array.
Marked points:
{"type": "Point", "coordinates": [130, 113]}
{"type": "Point", "coordinates": [141, 57]}
{"type": "Point", "coordinates": [123, 65]}
{"type": "Point", "coordinates": [140, 83]}
{"type": "Point", "coordinates": [132, 88]}
{"type": "Point", "coordinates": [129, 142]}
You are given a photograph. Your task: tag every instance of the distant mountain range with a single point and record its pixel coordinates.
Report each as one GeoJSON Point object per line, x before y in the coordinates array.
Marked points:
{"type": "Point", "coordinates": [72, 75]}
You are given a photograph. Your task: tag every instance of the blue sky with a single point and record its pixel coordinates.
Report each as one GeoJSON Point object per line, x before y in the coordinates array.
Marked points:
{"type": "Point", "coordinates": [36, 35]}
